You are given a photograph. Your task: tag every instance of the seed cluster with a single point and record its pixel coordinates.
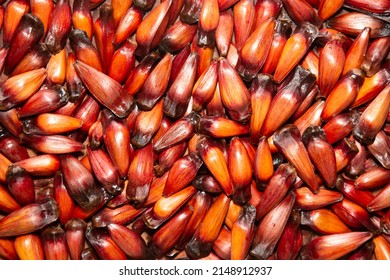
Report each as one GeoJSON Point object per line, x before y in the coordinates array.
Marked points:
{"type": "Point", "coordinates": [195, 129]}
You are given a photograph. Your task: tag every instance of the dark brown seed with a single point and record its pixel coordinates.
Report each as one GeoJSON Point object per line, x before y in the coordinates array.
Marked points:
{"type": "Point", "coordinates": [11, 148]}
{"type": "Point", "coordinates": [300, 12]}
{"type": "Point", "coordinates": [181, 130]}
{"type": "Point", "coordinates": [288, 142]}
{"type": "Point", "coordinates": [375, 55]}
{"type": "Point", "coordinates": [234, 94]}
{"type": "Point", "coordinates": [291, 240]}
{"type": "Point", "coordinates": [357, 164]}
{"type": "Point", "coordinates": [75, 237]}
{"type": "Point", "coordinates": [177, 37]}
{"type": "Point", "coordinates": [182, 173]}
{"type": "Point", "coordinates": [140, 175]}
{"type": "Point", "coordinates": [105, 171]}
{"type": "Point", "coordinates": [354, 22]}
{"type": "Point", "coordinates": [364, 252]}
{"type": "Point", "coordinates": [80, 182]}
{"type": "Point", "coordinates": [44, 101]}
{"type": "Point", "coordinates": [103, 244]}
{"type": "Point", "coordinates": [276, 189]}
{"type": "Point", "coordinates": [385, 221]}
{"type": "Point", "coordinates": [190, 11]}
{"type": "Point", "coordinates": [321, 153]}
{"type": "Point", "coordinates": [54, 244]}
{"type": "Point", "coordinates": [37, 57]}
{"type": "Point", "coordinates": [156, 83]}
{"type": "Point", "coordinates": [144, 5]}
{"type": "Point", "coordinates": [353, 215]}
{"type": "Point", "coordinates": [207, 183]}
{"type": "Point", "coordinates": [380, 149]}
{"type": "Point", "coordinates": [271, 227]}
{"type": "Point", "coordinates": [167, 236]}
{"type": "Point", "coordinates": [178, 95]}
{"type": "Point", "coordinates": [51, 144]}
{"type": "Point", "coordinates": [28, 32]}
{"type": "Point", "coordinates": [100, 85]}
{"type": "Point", "coordinates": [116, 138]}
{"type": "Point", "coordinates": [128, 241]}
{"type": "Point", "coordinates": [88, 253]}
{"type": "Point", "coordinates": [20, 185]}
{"type": "Point", "coordinates": [340, 126]}
{"type": "Point", "coordinates": [200, 204]}
{"type": "Point", "coordinates": [60, 24]}
{"type": "Point", "coordinates": [74, 84]}
{"type": "Point", "coordinates": [168, 157]}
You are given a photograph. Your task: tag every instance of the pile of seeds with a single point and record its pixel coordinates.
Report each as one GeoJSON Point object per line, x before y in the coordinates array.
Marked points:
{"type": "Point", "coordinates": [195, 129]}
